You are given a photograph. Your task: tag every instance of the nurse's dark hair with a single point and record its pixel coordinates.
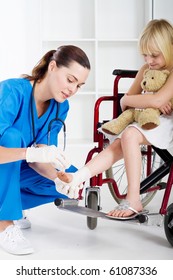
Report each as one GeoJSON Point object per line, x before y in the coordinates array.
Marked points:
{"type": "Point", "coordinates": [63, 56]}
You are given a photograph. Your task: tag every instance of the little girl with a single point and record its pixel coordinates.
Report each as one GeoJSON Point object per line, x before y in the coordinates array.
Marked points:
{"type": "Point", "coordinates": [156, 46]}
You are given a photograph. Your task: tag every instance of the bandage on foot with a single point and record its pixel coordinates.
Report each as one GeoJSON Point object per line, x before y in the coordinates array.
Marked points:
{"type": "Point", "coordinates": [65, 177]}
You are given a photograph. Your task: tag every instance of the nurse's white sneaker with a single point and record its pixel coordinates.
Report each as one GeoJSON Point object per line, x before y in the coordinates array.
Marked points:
{"type": "Point", "coordinates": [23, 223]}
{"type": "Point", "coordinates": [13, 241]}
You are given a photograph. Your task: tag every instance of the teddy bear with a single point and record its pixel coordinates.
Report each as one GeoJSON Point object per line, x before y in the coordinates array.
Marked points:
{"type": "Point", "coordinates": [147, 118]}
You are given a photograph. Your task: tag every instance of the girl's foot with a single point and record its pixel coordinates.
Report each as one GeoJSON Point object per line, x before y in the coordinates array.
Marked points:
{"type": "Point", "coordinates": [126, 209]}
{"type": "Point", "coordinates": [67, 184]}
{"type": "Point", "coordinates": [70, 183]}
{"type": "Point", "coordinates": [65, 177]}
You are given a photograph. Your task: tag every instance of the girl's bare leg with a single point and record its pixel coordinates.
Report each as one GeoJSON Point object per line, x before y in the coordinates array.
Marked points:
{"type": "Point", "coordinates": [106, 158]}
{"type": "Point", "coordinates": [131, 141]}
{"type": "Point", "coordinates": [97, 164]}
{"type": "Point", "coordinates": [129, 147]}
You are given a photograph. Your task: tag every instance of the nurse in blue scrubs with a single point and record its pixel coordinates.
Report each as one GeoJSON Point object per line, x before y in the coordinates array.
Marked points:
{"type": "Point", "coordinates": [33, 109]}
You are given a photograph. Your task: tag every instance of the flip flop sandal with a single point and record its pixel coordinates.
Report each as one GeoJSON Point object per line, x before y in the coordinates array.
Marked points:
{"type": "Point", "coordinates": [125, 205]}
{"type": "Point", "coordinates": [131, 217]}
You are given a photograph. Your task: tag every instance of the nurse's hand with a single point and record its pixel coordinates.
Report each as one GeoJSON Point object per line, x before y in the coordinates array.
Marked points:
{"type": "Point", "coordinates": [48, 154]}
{"type": "Point", "coordinates": [69, 189]}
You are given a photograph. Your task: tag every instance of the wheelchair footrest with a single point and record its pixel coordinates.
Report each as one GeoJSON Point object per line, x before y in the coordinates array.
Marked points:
{"type": "Point", "coordinates": [72, 206]}
{"type": "Point", "coordinates": [66, 202]}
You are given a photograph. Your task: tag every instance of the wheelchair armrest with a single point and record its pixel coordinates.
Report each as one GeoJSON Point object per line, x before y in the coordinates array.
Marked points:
{"type": "Point", "coordinates": [120, 73]}
{"type": "Point", "coordinates": [96, 113]}
{"type": "Point", "coordinates": [125, 73]}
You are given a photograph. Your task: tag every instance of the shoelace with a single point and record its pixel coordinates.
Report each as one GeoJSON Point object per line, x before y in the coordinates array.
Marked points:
{"type": "Point", "coordinates": [13, 234]}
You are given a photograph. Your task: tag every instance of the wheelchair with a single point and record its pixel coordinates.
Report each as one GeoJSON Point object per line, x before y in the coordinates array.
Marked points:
{"type": "Point", "coordinates": [157, 164]}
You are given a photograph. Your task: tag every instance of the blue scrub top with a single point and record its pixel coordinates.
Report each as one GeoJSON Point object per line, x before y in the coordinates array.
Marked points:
{"type": "Point", "coordinates": [15, 111]}
{"type": "Point", "coordinates": [21, 186]}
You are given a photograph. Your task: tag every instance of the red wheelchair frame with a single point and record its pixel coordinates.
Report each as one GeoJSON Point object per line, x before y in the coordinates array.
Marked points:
{"type": "Point", "coordinates": [152, 178]}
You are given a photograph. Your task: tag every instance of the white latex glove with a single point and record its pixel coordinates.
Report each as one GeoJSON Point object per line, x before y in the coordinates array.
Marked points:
{"type": "Point", "coordinates": [69, 189]}
{"type": "Point", "coordinates": [48, 154]}
{"type": "Point", "coordinates": [72, 189]}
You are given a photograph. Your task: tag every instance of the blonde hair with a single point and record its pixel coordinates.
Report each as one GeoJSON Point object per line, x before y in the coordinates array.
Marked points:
{"type": "Point", "coordinates": [158, 37]}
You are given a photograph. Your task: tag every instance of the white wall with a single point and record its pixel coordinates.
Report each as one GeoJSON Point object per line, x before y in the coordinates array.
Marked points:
{"type": "Point", "coordinates": [19, 47]}
{"type": "Point", "coordinates": [163, 9]}
{"type": "Point", "coordinates": [13, 38]}
{"type": "Point", "coordinates": [20, 33]}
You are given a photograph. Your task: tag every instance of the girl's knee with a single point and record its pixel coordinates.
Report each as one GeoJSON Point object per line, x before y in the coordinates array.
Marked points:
{"type": "Point", "coordinates": [130, 134]}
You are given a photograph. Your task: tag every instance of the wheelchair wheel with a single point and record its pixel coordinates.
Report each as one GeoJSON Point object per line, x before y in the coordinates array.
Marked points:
{"type": "Point", "coordinates": [168, 224]}
{"type": "Point", "coordinates": [92, 203]}
{"type": "Point", "coordinates": [118, 173]}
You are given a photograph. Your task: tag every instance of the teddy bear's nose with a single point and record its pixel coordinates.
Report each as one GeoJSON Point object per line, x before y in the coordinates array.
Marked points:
{"type": "Point", "coordinates": [144, 83]}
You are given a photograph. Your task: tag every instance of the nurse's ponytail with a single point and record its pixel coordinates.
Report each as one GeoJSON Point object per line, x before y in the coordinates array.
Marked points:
{"type": "Point", "coordinates": [63, 56]}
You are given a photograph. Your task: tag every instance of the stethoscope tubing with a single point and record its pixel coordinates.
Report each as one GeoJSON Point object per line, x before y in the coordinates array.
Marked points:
{"type": "Point", "coordinates": [56, 119]}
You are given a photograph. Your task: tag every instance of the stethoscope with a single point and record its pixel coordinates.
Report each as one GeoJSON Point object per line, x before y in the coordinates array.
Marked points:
{"type": "Point", "coordinates": [56, 119]}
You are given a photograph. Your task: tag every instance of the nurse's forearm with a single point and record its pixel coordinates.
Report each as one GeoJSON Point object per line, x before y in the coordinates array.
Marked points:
{"type": "Point", "coordinates": [45, 170]}
{"type": "Point", "coordinates": [14, 154]}
{"type": "Point", "coordinates": [11, 154]}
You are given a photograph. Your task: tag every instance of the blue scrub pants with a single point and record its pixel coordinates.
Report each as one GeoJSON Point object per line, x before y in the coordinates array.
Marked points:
{"type": "Point", "coordinates": [20, 186]}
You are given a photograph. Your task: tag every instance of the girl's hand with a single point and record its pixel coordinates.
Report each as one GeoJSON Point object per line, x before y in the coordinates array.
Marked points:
{"type": "Point", "coordinates": [166, 109]}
